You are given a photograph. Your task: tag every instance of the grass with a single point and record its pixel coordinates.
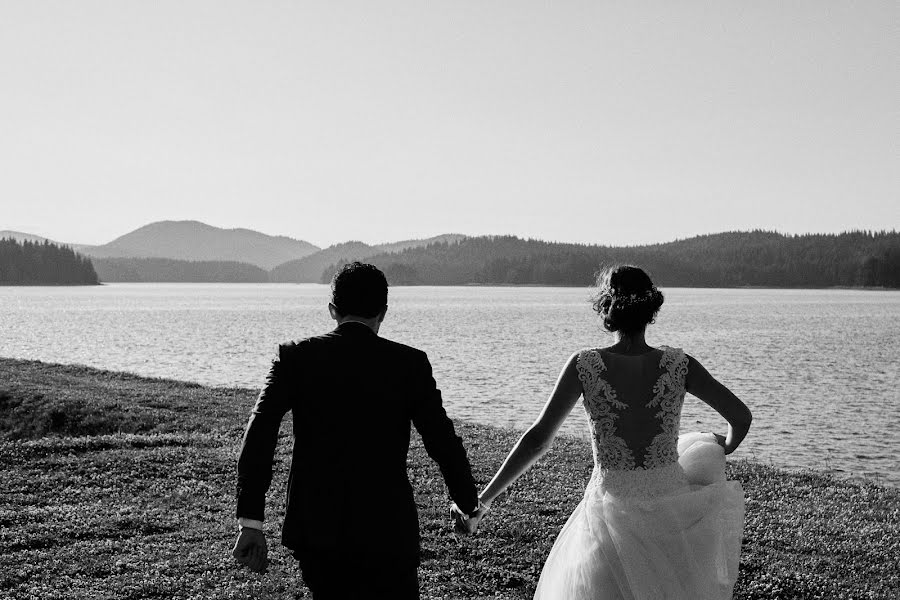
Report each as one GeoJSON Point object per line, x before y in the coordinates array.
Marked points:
{"type": "Point", "coordinates": [116, 486]}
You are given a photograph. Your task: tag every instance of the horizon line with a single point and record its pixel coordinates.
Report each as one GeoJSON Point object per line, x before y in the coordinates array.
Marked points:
{"type": "Point", "coordinates": [466, 235]}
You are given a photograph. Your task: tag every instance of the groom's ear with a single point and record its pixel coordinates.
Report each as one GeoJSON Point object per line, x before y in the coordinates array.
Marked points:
{"type": "Point", "coordinates": [332, 309]}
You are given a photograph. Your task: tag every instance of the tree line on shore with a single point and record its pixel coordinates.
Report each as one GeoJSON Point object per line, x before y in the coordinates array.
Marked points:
{"type": "Point", "coordinates": [135, 270]}
{"type": "Point", "coordinates": [43, 263]}
{"type": "Point", "coordinates": [734, 259]}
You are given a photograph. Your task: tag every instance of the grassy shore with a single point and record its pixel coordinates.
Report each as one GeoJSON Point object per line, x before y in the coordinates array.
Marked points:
{"type": "Point", "coordinates": [116, 486]}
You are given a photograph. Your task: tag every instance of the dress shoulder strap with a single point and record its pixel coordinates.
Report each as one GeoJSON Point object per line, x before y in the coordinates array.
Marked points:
{"type": "Point", "coordinates": [672, 356]}
{"type": "Point", "coordinates": [589, 366]}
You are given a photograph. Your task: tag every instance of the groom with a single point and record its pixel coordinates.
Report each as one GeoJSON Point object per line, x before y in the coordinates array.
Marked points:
{"type": "Point", "coordinates": [350, 518]}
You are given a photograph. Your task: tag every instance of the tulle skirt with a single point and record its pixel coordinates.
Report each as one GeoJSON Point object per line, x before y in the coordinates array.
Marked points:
{"type": "Point", "coordinates": [668, 533]}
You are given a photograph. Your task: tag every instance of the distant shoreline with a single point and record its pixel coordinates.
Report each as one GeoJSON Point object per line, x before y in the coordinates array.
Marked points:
{"type": "Point", "coordinates": [693, 287]}
{"type": "Point", "coordinates": [54, 285]}
{"type": "Point", "coordinates": [473, 285]}
{"type": "Point", "coordinates": [191, 251]}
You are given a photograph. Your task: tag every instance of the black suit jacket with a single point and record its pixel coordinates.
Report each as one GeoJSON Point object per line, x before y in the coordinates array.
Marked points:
{"type": "Point", "coordinates": [353, 396]}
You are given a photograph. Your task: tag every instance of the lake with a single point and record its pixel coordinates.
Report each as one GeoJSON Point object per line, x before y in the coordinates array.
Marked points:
{"type": "Point", "coordinates": [818, 368]}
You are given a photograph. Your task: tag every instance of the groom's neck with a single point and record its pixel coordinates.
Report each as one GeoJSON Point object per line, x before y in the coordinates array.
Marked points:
{"type": "Point", "coordinates": [373, 323]}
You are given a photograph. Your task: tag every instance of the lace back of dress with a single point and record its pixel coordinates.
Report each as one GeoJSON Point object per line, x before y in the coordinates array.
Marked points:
{"type": "Point", "coordinates": [637, 430]}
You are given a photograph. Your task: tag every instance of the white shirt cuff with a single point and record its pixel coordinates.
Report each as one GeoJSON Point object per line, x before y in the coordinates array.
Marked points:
{"type": "Point", "coordinates": [250, 523]}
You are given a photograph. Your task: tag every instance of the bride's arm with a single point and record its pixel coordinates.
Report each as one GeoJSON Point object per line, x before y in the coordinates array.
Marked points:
{"type": "Point", "coordinates": [706, 387]}
{"type": "Point", "coordinates": [537, 440]}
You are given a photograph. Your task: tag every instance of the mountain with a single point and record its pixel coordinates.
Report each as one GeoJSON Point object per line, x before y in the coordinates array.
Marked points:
{"type": "Point", "coordinates": [731, 259]}
{"type": "Point", "coordinates": [309, 269]}
{"type": "Point", "coordinates": [193, 251]}
{"type": "Point", "coordinates": [195, 241]}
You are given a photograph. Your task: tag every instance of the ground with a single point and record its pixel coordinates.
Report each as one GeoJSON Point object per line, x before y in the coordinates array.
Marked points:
{"type": "Point", "coordinates": [116, 486]}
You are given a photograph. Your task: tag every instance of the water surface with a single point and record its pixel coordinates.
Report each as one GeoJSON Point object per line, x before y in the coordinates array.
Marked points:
{"type": "Point", "coordinates": [819, 368]}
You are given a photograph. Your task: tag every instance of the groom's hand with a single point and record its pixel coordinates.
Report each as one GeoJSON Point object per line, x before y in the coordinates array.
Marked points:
{"type": "Point", "coordinates": [464, 525]}
{"type": "Point", "coordinates": [251, 549]}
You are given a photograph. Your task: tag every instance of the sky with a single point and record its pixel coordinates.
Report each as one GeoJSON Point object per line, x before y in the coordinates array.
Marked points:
{"type": "Point", "coordinates": [584, 121]}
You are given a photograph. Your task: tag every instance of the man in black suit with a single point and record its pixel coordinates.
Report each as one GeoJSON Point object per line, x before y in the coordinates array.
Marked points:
{"type": "Point", "coordinates": [350, 518]}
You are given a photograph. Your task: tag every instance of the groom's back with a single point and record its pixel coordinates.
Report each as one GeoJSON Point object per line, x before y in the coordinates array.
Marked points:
{"type": "Point", "coordinates": [353, 396]}
{"type": "Point", "coordinates": [351, 401]}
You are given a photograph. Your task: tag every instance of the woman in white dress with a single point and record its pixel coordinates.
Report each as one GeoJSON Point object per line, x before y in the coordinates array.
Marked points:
{"type": "Point", "coordinates": [658, 519]}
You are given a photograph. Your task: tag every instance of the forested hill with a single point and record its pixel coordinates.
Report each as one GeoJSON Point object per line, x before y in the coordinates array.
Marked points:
{"type": "Point", "coordinates": [733, 259]}
{"type": "Point", "coordinates": [43, 263]}
{"type": "Point", "coordinates": [309, 269]}
{"type": "Point", "coordinates": [157, 270]}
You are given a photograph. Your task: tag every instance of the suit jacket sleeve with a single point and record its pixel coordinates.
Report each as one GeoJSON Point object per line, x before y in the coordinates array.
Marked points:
{"type": "Point", "coordinates": [441, 441]}
{"type": "Point", "coordinates": [260, 439]}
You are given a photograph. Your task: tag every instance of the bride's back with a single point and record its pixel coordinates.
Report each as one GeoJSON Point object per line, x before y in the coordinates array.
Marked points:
{"type": "Point", "coordinates": [634, 405]}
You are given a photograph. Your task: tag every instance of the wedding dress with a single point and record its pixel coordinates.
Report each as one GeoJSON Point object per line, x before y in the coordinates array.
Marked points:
{"type": "Point", "coordinates": [658, 519]}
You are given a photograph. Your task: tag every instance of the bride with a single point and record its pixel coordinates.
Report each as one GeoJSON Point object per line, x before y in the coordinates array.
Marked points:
{"type": "Point", "coordinates": [658, 519]}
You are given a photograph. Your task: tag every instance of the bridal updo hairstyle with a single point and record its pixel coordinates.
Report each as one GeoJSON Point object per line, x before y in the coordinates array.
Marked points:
{"type": "Point", "coordinates": [359, 289]}
{"type": "Point", "coordinates": [626, 298]}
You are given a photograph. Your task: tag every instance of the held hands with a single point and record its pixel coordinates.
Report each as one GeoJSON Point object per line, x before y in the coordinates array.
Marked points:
{"type": "Point", "coordinates": [724, 443]}
{"type": "Point", "coordinates": [251, 550]}
{"type": "Point", "coordinates": [467, 524]}
{"type": "Point", "coordinates": [720, 439]}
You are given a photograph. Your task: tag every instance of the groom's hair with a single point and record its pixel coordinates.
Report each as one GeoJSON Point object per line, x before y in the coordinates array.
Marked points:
{"type": "Point", "coordinates": [359, 289]}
